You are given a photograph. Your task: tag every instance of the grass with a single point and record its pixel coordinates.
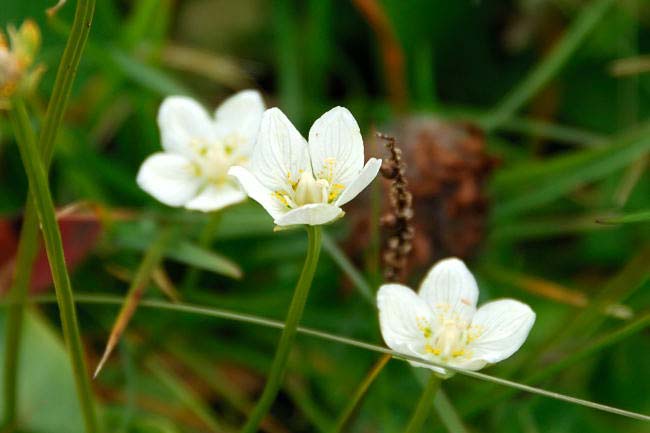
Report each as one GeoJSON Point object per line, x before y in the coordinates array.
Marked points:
{"type": "Point", "coordinates": [568, 211]}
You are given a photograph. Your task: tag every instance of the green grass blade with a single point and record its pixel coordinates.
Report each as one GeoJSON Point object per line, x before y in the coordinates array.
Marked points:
{"type": "Point", "coordinates": [529, 185]}
{"type": "Point", "coordinates": [630, 218]}
{"type": "Point", "coordinates": [65, 76]}
{"type": "Point", "coordinates": [343, 262]}
{"type": "Point", "coordinates": [261, 321]}
{"type": "Point", "coordinates": [148, 265]}
{"type": "Point", "coordinates": [352, 405]}
{"type": "Point", "coordinates": [54, 248]}
{"type": "Point", "coordinates": [582, 26]}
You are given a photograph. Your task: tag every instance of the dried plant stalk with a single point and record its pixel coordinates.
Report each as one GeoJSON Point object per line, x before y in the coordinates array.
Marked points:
{"type": "Point", "coordinates": [397, 221]}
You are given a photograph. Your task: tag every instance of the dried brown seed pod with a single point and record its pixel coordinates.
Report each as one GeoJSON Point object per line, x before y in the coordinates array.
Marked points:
{"type": "Point", "coordinates": [400, 231]}
{"type": "Point", "coordinates": [446, 202]}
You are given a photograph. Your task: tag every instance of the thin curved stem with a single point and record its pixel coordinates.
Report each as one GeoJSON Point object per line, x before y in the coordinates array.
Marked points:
{"type": "Point", "coordinates": [98, 299]}
{"type": "Point", "coordinates": [28, 246]}
{"type": "Point", "coordinates": [54, 247]}
{"type": "Point", "coordinates": [278, 367]}
{"type": "Point", "coordinates": [423, 408]}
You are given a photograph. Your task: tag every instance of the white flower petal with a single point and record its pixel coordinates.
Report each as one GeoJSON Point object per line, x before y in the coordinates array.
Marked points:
{"type": "Point", "coordinates": [310, 214]}
{"type": "Point", "coordinates": [364, 178]}
{"type": "Point", "coordinates": [280, 154]}
{"type": "Point", "coordinates": [470, 364]}
{"type": "Point", "coordinates": [450, 288]}
{"type": "Point", "coordinates": [503, 327]}
{"type": "Point", "coordinates": [169, 177]}
{"type": "Point", "coordinates": [439, 370]}
{"type": "Point", "coordinates": [181, 120]}
{"type": "Point", "coordinates": [258, 192]}
{"type": "Point", "coordinates": [214, 197]}
{"type": "Point", "coordinates": [336, 147]}
{"type": "Point", "coordinates": [403, 319]}
{"type": "Point", "coordinates": [241, 114]}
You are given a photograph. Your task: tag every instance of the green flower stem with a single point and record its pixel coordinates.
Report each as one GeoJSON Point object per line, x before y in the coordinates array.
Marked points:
{"type": "Point", "coordinates": [278, 367]}
{"type": "Point", "coordinates": [352, 405]}
{"type": "Point", "coordinates": [424, 406]}
{"type": "Point", "coordinates": [447, 413]}
{"type": "Point", "coordinates": [46, 213]}
{"type": "Point", "coordinates": [28, 245]}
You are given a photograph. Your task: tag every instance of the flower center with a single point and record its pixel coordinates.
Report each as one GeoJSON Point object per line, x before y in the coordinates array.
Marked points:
{"type": "Point", "coordinates": [448, 342]}
{"type": "Point", "coordinates": [213, 159]}
{"type": "Point", "coordinates": [449, 339]}
{"type": "Point", "coordinates": [309, 190]}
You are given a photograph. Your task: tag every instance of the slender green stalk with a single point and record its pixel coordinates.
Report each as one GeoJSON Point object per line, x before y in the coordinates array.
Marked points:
{"type": "Point", "coordinates": [423, 407]}
{"type": "Point", "coordinates": [274, 380]}
{"type": "Point", "coordinates": [550, 66]}
{"type": "Point", "coordinates": [353, 403]}
{"type": "Point", "coordinates": [97, 299]}
{"type": "Point", "coordinates": [445, 410]}
{"type": "Point", "coordinates": [54, 247]}
{"type": "Point", "coordinates": [28, 245]}
{"type": "Point", "coordinates": [65, 76]}
{"type": "Point", "coordinates": [447, 413]}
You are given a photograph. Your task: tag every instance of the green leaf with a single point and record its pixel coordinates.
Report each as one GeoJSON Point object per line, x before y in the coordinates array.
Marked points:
{"type": "Point", "coordinates": [194, 255]}
{"type": "Point", "coordinates": [139, 238]}
{"type": "Point", "coordinates": [526, 186]}
{"type": "Point", "coordinates": [47, 398]}
{"type": "Point", "coordinates": [147, 76]}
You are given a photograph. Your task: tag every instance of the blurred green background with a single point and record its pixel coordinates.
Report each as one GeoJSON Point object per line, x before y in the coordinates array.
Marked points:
{"type": "Point", "coordinates": [561, 90]}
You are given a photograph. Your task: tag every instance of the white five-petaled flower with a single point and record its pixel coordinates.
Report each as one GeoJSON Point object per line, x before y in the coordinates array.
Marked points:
{"type": "Point", "coordinates": [442, 324]}
{"type": "Point", "coordinates": [198, 150]}
{"type": "Point", "coordinates": [300, 182]}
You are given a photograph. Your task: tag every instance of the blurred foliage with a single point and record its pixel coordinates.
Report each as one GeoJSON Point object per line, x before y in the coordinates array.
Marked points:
{"type": "Point", "coordinates": [583, 160]}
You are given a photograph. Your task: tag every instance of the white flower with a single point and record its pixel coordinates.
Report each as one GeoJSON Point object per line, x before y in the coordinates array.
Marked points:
{"type": "Point", "coordinates": [307, 183]}
{"type": "Point", "coordinates": [198, 150]}
{"type": "Point", "coordinates": [441, 322]}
